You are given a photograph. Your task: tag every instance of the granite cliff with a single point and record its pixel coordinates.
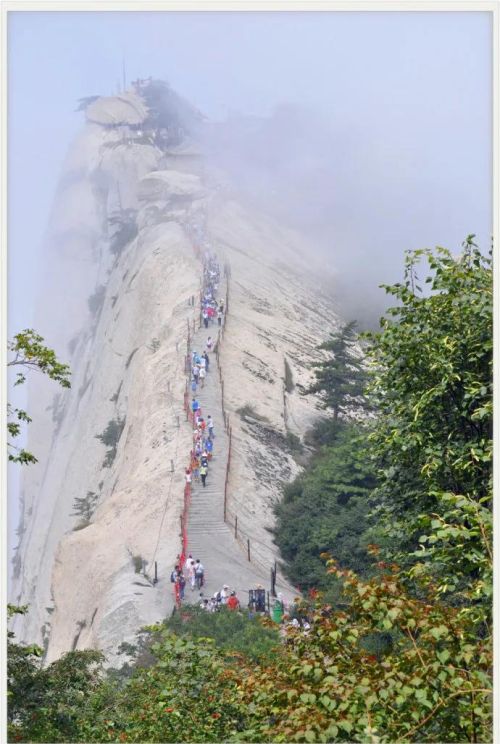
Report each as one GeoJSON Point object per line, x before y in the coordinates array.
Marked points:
{"type": "Point", "coordinates": [136, 207]}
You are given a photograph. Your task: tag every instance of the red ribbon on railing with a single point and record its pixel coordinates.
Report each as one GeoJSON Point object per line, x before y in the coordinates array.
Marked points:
{"type": "Point", "coordinates": [187, 499]}
{"type": "Point", "coordinates": [184, 540]}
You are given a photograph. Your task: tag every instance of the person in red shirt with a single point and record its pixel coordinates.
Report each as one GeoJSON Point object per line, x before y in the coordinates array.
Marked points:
{"type": "Point", "coordinates": [233, 602]}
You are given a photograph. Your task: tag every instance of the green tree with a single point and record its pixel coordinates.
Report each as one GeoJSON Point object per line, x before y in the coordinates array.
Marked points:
{"type": "Point", "coordinates": [84, 506]}
{"type": "Point", "coordinates": [325, 510]}
{"type": "Point", "coordinates": [110, 437]}
{"type": "Point", "coordinates": [28, 352]}
{"type": "Point", "coordinates": [46, 704]}
{"type": "Point", "coordinates": [22, 667]}
{"type": "Point", "coordinates": [340, 379]}
{"type": "Point", "coordinates": [186, 695]}
{"type": "Point", "coordinates": [432, 684]}
{"type": "Point", "coordinates": [432, 384]}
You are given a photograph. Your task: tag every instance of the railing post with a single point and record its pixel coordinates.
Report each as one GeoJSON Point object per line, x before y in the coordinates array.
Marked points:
{"type": "Point", "coordinates": [236, 528]}
{"type": "Point", "coordinates": [155, 581]}
{"type": "Point", "coordinates": [248, 547]}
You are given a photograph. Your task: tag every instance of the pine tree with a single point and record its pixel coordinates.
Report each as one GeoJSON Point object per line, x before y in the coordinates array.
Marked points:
{"type": "Point", "coordinates": [85, 506]}
{"type": "Point", "coordinates": [341, 379]}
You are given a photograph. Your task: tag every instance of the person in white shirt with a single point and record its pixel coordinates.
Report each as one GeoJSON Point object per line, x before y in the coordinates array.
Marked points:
{"type": "Point", "coordinates": [202, 375]}
{"type": "Point", "coordinates": [224, 594]}
{"type": "Point", "coordinates": [190, 572]}
{"type": "Point", "coordinates": [199, 573]}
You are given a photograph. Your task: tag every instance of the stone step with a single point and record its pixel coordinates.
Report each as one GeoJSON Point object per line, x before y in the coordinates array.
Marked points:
{"type": "Point", "coordinates": [210, 520]}
{"type": "Point", "coordinates": [213, 520]}
{"type": "Point", "coordinates": [217, 514]}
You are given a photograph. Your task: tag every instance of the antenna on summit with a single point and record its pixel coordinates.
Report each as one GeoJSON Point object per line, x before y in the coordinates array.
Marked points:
{"type": "Point", "coordinates": [124, 76]}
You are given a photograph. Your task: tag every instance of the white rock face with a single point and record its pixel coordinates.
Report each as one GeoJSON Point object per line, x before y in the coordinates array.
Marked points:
{"type": "Point", "coordinates": [170, 183]}
{"type": "Point", "coordinates": [127, 359]}
{"type": "Point", "coordinates": [277, 316]}
{"type": "Point", "coordinates": [117, 375]}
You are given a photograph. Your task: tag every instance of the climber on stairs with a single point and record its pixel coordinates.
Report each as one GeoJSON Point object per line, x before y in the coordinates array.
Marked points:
{"type": "Point", "coordinates": [190, 572]}
{"type": "Point", "coordinates": [209, 445]}
{"type": "Point", "coordinates": [203, 474]}
{"type": "Point", "coordinates": [199, 573]}
{"type": "Point", "coordinates": [233, 602]}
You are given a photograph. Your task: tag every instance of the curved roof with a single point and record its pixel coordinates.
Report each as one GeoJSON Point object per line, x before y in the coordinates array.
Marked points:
{"type": "Point", "coordinates": [127, 108]}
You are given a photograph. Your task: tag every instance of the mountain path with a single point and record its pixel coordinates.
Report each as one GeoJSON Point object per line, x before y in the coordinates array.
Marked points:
{"type": "Point", "coordinates": [209, 538]}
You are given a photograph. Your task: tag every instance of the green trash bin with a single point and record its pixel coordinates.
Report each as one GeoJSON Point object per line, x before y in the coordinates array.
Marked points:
{"type": "Point", "coordinates": [277, 614]}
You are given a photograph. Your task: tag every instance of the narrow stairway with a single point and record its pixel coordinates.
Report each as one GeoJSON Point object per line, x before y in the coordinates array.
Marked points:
{"type": "Point", "coordinates": [209, 538]}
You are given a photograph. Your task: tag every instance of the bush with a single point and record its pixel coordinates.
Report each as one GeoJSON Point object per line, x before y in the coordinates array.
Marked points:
{"type": "Point", "coordinates": [110, 437]}
{"type": "Point", "coordinates": [126, 230]}
{"type": "Point", "coordinates": [325, 510]}
{"type": "Point", "coordinates": [96, 300]}
{"type": "Point", "coordinates": [154, 345]}
{"type": "Point", "coordinates": [231, 631]}
{"type": "Point", "coordinates": [85, 506]}
{"type": "Point", "coordinates": [249, 411]}
{"type": "Point", "coordinates": [81, 525]}
{"type": "Point", "coordinates": [137, 560]}
{"type": "Point", "coordinates": [324, 431]}
{"type": "Point", "coordinates": [294, 442]}
{"type": "Point", "coordinates": [289, 383]}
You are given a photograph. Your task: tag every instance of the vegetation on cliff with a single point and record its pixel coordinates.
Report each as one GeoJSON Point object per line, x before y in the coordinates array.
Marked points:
{"type": "Point", "coordinates": [28, 353]}
{"type": "Point", "coordinates": [426, 454]}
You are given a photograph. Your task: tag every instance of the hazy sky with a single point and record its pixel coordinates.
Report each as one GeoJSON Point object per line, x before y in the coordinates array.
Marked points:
{"type": "Point", "coordinates": [407, 96]}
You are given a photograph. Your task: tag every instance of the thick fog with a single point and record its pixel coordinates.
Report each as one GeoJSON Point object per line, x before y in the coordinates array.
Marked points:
{"type": "Point", "coordinates": [370, 132]}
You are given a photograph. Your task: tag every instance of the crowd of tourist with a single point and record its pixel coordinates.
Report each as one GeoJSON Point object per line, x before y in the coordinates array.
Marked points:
{"type": "Point", "coordinates": [192, 573]}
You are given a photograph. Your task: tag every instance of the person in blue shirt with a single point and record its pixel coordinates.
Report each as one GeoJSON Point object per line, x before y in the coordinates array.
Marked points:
{"type": "Point", "coordinates": [194, 405]}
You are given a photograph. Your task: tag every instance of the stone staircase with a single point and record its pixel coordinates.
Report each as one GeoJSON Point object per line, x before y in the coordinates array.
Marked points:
{"type": "Point", "coordinates": [209, 538]}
